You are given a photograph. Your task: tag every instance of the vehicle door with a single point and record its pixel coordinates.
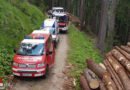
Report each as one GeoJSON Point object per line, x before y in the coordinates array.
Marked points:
{"type": "Point", "coordinates": [50, 51]}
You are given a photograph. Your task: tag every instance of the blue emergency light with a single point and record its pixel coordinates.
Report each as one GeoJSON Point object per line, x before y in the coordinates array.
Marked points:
{"type": "Point", "coordinates": [42, 25]}
{"type": "Point", "coordinates": [53, 25]}
{"type": "Point", "coordinates": [27, 37]}
{"type": "Point", "coordinates": [41, 38]}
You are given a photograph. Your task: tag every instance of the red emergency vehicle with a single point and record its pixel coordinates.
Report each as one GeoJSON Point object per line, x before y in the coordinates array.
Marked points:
{"type": "Point", "coordinates": [34, 56]}
{"type": "Point", "coordinates": [62, 21]}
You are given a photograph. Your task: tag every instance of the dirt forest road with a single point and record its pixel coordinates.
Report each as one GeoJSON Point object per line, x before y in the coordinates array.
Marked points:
{"type": "Point", "coordinates": [56, 78]}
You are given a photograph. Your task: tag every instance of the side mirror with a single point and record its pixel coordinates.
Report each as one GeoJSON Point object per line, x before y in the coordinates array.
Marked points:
{"type": "Point", "coordinates": [48, 53]}
{"type": "Point", "coordinates": [14, 51]}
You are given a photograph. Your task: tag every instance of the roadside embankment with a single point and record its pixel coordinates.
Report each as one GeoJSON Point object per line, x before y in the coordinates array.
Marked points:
{"type": "Point", "coordinates": [81, 47]}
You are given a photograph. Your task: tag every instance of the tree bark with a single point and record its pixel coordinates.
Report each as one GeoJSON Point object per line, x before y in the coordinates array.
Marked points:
{"type": "Point", "coordinates": [91, 64]}
{"type": "Point", "coordinates": [91, 78]}
{"type": "Point", "coordinates": [128, 44]}
{"type": "Point", "coordinates": [113, 74]}
{"type": "Point", "coordinates": [84, 83]}
{"type": "Point", "coordinates": [102, 85]}
{"type": "Point", "coordinates": [120, 71]}
{"type": "Point", "coordinates": [123, 52]}
{"type": "Point", "coordinates": [82, 13]}
{"type": "Point", "coordinates": [102, 74]}
{"type": "Point", "coordinates": [111, 25]}
{"type": "Point", "coordinates": [121, 59]}
{"type": "Point", "coordinates": [103, 26]}
{"type": "Point", "coordinates": [127, 49]}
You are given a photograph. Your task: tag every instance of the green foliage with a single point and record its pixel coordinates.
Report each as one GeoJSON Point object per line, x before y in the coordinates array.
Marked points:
{"type": "Point", "coordinates": [5, 62]}
{"type": "Point", "coordinates": [17, 19]}
{"type": "Point", "coordinates": [81, 48]}
{"type": "Point", "coordinates": [122, 22]}
{"type": "Point", "coordinates": [42, 4]}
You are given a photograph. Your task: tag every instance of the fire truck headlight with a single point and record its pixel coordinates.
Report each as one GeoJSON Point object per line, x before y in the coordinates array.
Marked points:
{"type": "Point", "coordinates": [15, 64]}
{"type": "Point", "coordinates": [41, 65]}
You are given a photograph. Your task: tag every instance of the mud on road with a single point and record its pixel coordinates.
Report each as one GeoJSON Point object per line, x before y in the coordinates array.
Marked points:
{"type": "Point", "coordinates": [56, 78]}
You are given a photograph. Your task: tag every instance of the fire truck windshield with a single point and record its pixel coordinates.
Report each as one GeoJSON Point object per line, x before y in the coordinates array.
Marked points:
{"type": "Point", "coordinates": [63, 19]}
{"type": "Point", "coordinates": [31, 49]}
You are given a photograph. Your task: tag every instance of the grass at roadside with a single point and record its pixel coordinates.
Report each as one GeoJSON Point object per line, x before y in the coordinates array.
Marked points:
{"type": "Point", "coordinates": [81, 48]}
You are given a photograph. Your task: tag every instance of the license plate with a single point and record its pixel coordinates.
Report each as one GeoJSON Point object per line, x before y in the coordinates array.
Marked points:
{"type": "Point", "coordinates": [24, 74]}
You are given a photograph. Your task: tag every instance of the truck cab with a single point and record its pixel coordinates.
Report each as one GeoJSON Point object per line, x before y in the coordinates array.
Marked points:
{"type": "Point", "coordinates": [62, 19]}
{"type": "Point", "coordinates": [34, 56]}
{"type": "Point", "coordinates": [52, 31]}
{"type": "Point", "coordinates": [57, 9]}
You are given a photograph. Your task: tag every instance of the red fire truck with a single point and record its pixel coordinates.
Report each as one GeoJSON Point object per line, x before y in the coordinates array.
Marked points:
{"type": "Point", "coordinates": [62, 20]}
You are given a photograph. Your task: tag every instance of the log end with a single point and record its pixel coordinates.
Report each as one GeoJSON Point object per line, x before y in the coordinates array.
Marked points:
{"type": "Point", "coordinates": [94, 84]}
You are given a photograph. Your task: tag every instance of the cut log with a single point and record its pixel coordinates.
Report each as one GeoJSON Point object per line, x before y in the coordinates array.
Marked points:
{"type": "Point", "coordinates": [125, 48]}
{"type": "Point", "coordinates": [102, 65]}
{"type": "Point", "coordinates": [102, 85]}
{"type": "Point", "coordinates": [102, 74]}
{"type": "Point", "coordinates": [84, 83]}
{"type": "Point", "coordinates": [91, 78]}
{"type": "Point", "coordinates": [111, 71]}
{"type": "Point", "coordinates": [114, 72]}
{"type": "Point", "coordinates": [125, 62]}
{"type": "Point", "coordinates": [91, 64]}
{"type": "Point", "coordinates": [123, 52]}
{"type": "Point", "coordinates": [128, 44]}
{"type": "Point", "coordinates": [120, 71]}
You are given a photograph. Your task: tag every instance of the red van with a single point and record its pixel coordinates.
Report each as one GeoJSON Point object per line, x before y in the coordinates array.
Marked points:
{"type": "Point", "coordinates": [34, 56]}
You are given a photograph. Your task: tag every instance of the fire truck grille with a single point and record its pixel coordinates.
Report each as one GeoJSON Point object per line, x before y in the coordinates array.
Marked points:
{"type": "Point", "coordinates": [27, 66]}
{"type": "Point", "coordinates": [21, 71]}
{"type": "Point", "coordinates": [61, 26]}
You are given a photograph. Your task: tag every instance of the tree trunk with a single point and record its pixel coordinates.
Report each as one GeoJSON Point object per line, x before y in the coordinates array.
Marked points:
{"type": "Point", "coordinates": [83, 83]}
{"type": "Point", "coordinates": [52, 1]}
{"type": "Point", "coordinates": [111, 25]}
{"type": "Point", "coordinates": [91, 78]}
{"type": "Point", "coordinates": [114, 75]}
{"type": "Point", "coordinates": [102, 74]}
{"type": "Point", "coordinates": [123, 52]}
{"type": "Point", "coordinates": [127, 49]}
{"type": "Point", "coordinates": [103, 25]}
{"type": "Point", "coordinates": [68, 3]}
{"type": "Point", "coordinates": [121, 59]}
{"type": "Point", "coordinates": [91, 64]}
{"type": "Point", "coordinates": [82, 13]}
{"type": "Point", "coordinates": [128, 44]}
{"type": "Point", "coordinates": [102, 85]}
{"type": "Point", "coordinates": [120, 71]}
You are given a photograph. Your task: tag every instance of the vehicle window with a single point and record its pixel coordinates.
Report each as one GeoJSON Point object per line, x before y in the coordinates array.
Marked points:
{"type": "Point", "coordinates": [50, 44]}
{"type": "Point", "coordinates": [52, 31]}
{"type": "Point", "coordinates": [31, 49]}
{"type": "Point", "coordinates": [63, 19]}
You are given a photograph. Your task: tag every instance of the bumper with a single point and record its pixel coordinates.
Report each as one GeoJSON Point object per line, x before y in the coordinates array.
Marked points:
{"type": "Point", "coordinates": [63, 29]}
{"type": "Point", "coordinates": [29, 73]}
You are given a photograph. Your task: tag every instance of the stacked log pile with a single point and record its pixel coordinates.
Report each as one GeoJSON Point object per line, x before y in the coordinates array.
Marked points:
{"type": "Point", "coordinates": [112, 74]}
